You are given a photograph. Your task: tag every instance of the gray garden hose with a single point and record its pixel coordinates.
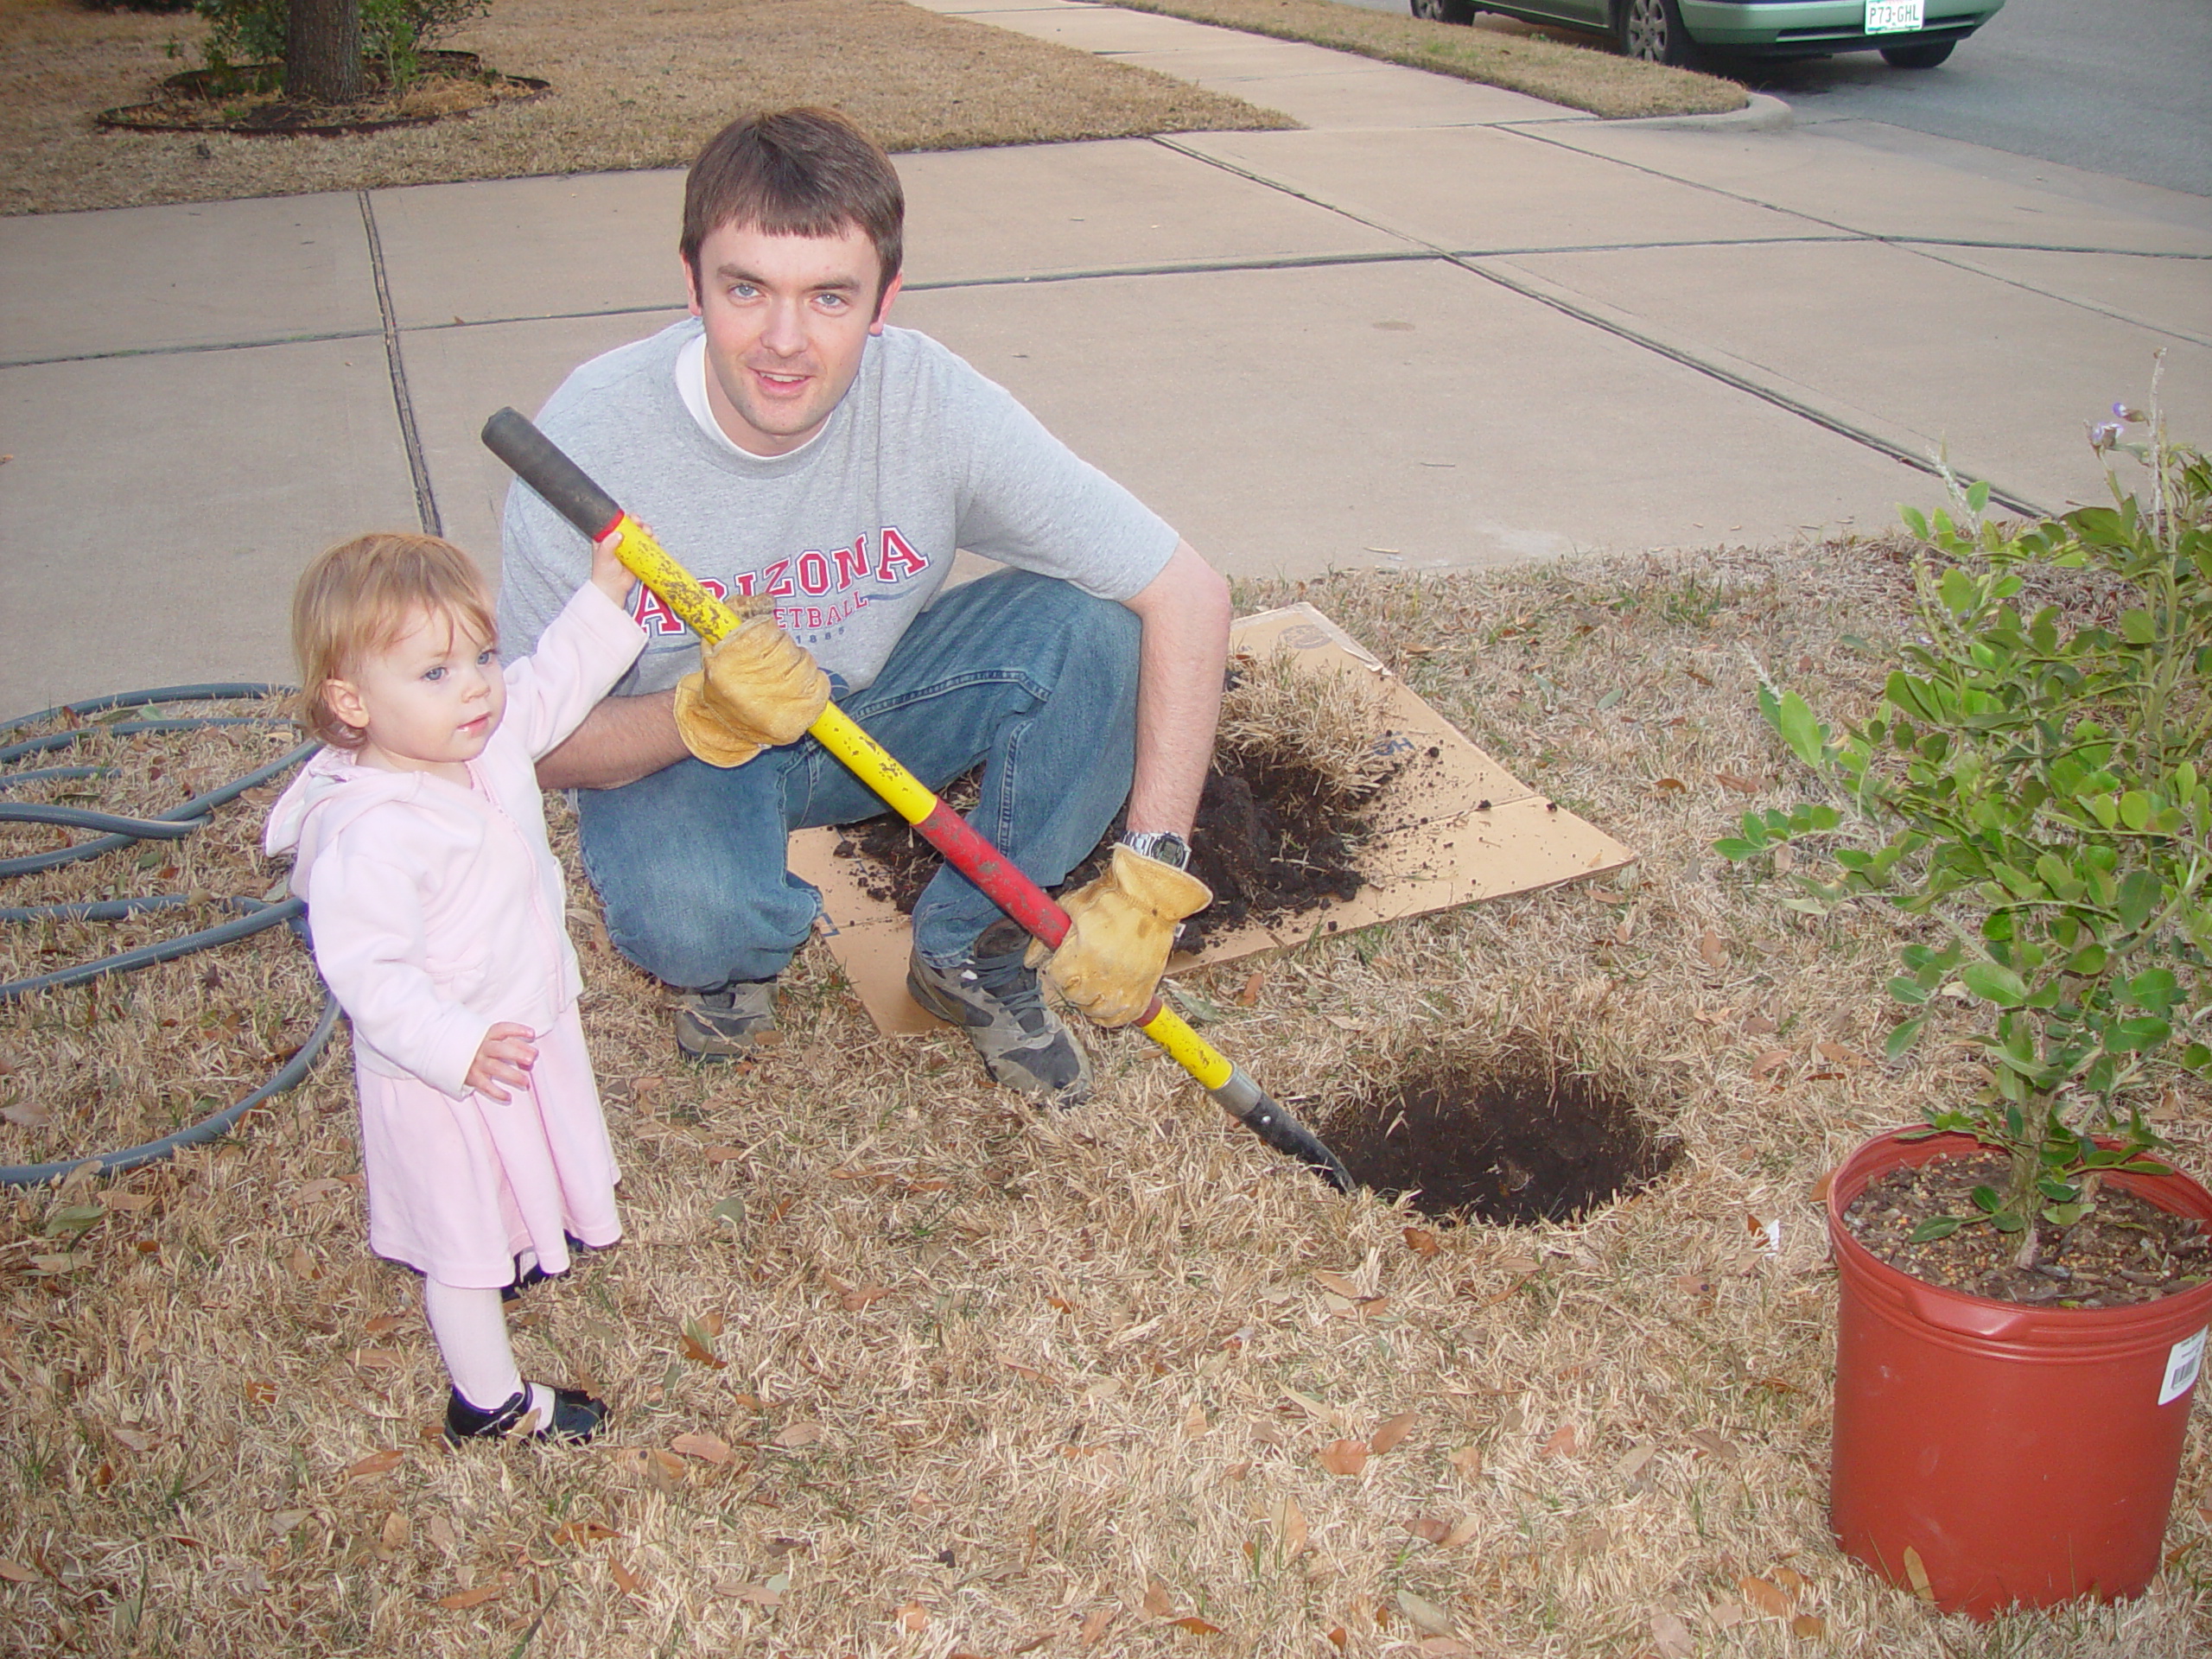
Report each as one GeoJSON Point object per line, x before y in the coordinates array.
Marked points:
{"type": "Point", "coordinates": [254, 915]}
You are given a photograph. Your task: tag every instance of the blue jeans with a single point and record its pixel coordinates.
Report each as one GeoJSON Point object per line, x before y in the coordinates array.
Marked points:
{"type": "Point", "coordinates": [1030, 676]}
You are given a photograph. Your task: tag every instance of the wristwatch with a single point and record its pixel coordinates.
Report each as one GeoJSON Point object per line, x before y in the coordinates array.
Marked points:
{"type": "Point", "coordinates": [1163, 844]}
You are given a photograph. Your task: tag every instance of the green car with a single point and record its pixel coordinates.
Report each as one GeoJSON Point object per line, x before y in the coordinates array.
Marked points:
{"type": "Point", "coordinates": [1693, 34]}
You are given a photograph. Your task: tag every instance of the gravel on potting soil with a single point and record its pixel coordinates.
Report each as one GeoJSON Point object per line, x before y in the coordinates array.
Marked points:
{"type": "Point", "coordinates": [2126, 1250]}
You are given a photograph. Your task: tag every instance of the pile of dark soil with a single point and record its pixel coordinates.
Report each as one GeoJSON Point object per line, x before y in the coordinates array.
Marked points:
{"type": "Point", "coordinates": [1274, 838]}
{"type": "Point", "coordinates": [249, 98]}
{"type": "Point", "coordinates": [1516, 1141]}
{"type": "Point", "coordinates": [2124, 1250]}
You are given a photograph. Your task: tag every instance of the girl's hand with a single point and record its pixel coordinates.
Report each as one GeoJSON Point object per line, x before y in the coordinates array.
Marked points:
{"type": "Point", "coordinates": [505, 1056]}
{"type": "Point", "coordinates": [608, 573]}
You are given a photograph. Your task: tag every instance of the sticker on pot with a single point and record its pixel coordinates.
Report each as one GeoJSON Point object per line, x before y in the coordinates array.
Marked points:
{"type": "Point", "coordinates": [2182, 1363]}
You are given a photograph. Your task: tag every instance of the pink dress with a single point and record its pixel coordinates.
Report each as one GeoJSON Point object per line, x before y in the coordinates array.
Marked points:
{"type": "Point", "coordinates": [436, 912]}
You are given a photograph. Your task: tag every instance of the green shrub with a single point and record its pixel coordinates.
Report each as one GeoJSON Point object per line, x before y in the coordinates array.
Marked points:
{"type": "Point", "coordinates": [2037, 785]}
{"type": "Point", "coordinates": [394, 33]}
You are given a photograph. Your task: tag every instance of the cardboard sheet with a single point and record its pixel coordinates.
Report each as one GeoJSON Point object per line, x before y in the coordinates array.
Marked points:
{"type": "Point", "coordinates": [1434, 846]}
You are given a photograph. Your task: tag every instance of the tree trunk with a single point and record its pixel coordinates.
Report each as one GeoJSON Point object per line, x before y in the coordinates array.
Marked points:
{"type": "Point", "coordinates": [322, 52]}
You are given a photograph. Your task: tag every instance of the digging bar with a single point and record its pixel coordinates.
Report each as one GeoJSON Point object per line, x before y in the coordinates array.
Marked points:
{"type": "Point", "coordinates": [570, 491]}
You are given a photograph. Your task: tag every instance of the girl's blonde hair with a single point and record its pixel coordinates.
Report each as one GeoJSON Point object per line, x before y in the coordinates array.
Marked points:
{"type": "Point", "coordinates": [357, 599]}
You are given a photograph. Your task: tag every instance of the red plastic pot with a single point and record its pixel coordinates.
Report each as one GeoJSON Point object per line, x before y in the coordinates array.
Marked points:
{"type": "Point", "coordinates": [2026, 1455]}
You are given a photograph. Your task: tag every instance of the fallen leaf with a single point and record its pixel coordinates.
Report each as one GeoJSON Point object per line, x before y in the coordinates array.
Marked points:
{"type": "Point", "coordinates": [318, 1191]}
{"type": "Point", "coordinates": [1773, 1059]}
{"type": "Point", "coordinates": [1710, 1443]}
{"type": "Point", "coordinates": [1767, 1597]}
{"type": "Point", "coordinates": [1031, 1643]}
{"type": "Point", "coordinates": [1421, 1241]}
{"type": "Point", "coordinates": [1693, 1284]}
{"type": "Point", "coordinates": [1916, 1571]}
{"type": "Point", "coordinates": [769, 1592]}
{"type": "Point", "coordinates": [1666, 786]}
{"type": "Point", "coordinates": [129, 1200]}
{"type": "Point", "coordinates": [1671, 1637]}
{"type": "Point", "coordinates": [1094, 1626]}
{"type": "Point", "coordinates": [1250, 995]}
{"type": "Point", "coordinates": [261, 1393]}
{"type": "Point", "coordinates": [1463, 1529]}
{"type": "Point", "coordinates": [1808, 1625]}
{"type": "Point", "coordinates": [1737, 781]}
{"type": "Point", "coordinates": [377, 1463]}
{"type": "Point", "coordinates": [15, 1572]}
{"type": "Point", "coordinates": [1425, 1615]}
{"type": "Point", "coordinates": [29, 1115]}
{"type": "Point", "coordinates": [1428, 1528]}
{"type": "Point", "coordinates": [695, 1349]}
{"type": "Point", "coordinates": [461, 1599]}
{"type": "Point", "coordinates": [913, 1617]}
{"type": "Point", "coordinates": [1561, 1443]}
{"type": "Point", "coordinates": [862, 1296]}
{"type": "Point", "coordinates": [378, 1359]}
{"type": "Point", "coordinates": [1339, 1638]}
{"type": "Point", "coordinates": [1444, 1646]}
{"type": "Point", "coordinates": [725, 1155]}
{"type": "Point", "coordinates": [800, 1433]}
{"type": "Point", "coordinates": [1819, 1193]}
{"type": "Point", "coordinates": [1158, 1599]}
{"type": "Point", "coordinates": [1633, 1461]}
{"type": "Point", "coordinates": [1339, 1283]}
{"type": "Point", "coordinates": [709, 1448]}
{"type": "Point", "coordinates": [1290, 1528]}
{"type": "Point", "coordinates": [132, 1440]}
{"type": "Point", "coordinates": [1712, 951]}
{"type": "Point", "coordinates": [1391, 1433]}
{"type": "Point", "coordinates": [627, 1582]}
{"type": "Point", "coordinates": [383, 1325]}
{"type": "Point", "coordinates": [1791, 1580]}
{"type": "Point", "coordinates": [1729, 1614]}
{"type": "Point", "coordinates": [1344, 1457]}
{"type": "Point", "coordinates": [393, 1537]}
{"type": "Point", "coordinates": [1468, 1460]}
{"type": "Point", "coordinates": [1194, 1421]}
{"type": "Point", "coordinates": [583, 1532]}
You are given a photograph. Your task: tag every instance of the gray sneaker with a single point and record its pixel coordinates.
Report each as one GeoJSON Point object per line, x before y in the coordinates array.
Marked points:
{"type": "Point", "coordinates": [727, 1023]}
{"type": "Point", "coordinates": [1025, 1045]}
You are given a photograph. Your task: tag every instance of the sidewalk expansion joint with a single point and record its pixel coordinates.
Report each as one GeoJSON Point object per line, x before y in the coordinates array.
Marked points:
{"type": "Point", "coordinates": [426, 504]}
{"type": "Point", "coordinates": [188, 350]}
{"type": "Point", "coordinates": [1590, 318]}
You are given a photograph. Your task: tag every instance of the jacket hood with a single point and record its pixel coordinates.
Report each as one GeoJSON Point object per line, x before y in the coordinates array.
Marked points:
{"type": "Point", "coordinates": [332, 791]}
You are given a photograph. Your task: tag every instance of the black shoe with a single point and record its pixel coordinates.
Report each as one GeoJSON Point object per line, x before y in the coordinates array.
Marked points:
{"type": "Point", "coordinates": [577, 1417]}
{"type": "Point", "coordinates": [729, 1024]}
{"type": "Point", "coordinates": [534, 1274]}
{"type": "Point", "coordinates": [1024, 1043]}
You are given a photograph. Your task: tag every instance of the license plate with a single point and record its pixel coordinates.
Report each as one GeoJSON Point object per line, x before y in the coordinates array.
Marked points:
{"type": "Point", "coordinates": [1892, 16]}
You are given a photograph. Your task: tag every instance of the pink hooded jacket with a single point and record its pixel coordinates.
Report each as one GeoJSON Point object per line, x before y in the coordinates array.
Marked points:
{"type": "Point", "coordinates": [437, 912]}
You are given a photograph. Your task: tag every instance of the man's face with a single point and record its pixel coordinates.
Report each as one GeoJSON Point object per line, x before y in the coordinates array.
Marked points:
{"type": "Point", "coordinates": [787, 318]}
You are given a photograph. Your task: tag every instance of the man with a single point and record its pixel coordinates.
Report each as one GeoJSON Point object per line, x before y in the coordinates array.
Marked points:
{"type": "Point", "coordinates": [795, 451]}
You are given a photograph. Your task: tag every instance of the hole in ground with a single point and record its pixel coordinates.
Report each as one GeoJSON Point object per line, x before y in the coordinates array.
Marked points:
{"type": "Point", "coordinates": [1516, 1138]}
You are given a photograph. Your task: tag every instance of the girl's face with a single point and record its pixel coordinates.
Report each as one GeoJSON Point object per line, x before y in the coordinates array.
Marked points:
{"type": "Point", "coordinates": [430, 701]}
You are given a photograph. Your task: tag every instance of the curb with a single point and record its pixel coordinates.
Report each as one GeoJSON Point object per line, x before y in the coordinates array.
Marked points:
{"type": "Point", "coordinates": [1765, 113]}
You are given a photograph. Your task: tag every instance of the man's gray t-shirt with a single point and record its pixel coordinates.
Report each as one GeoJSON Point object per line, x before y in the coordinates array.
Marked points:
{"type": "Point", "coordinates": [850, 535]}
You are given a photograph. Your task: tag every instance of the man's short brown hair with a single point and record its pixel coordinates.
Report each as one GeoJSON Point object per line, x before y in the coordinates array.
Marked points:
{"type": "Point", "coordinates": [801, 172]}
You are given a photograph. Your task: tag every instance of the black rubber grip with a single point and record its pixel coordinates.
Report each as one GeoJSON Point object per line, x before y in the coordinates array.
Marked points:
{"type": "Point", "coordinates": [537, 461]}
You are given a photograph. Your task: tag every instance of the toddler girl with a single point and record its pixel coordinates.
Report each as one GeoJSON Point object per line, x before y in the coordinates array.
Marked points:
{"type": "Point", "coordinates": [436, 912]}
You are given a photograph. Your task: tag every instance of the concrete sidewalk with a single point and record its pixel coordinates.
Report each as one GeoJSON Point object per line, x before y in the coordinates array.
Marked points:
{"type": "Point", "coordinates": [1444, 325]}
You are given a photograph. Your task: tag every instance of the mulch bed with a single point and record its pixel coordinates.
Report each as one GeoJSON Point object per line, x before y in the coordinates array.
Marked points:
{"type": "Point", "coordinates": [249, 98]}
{"type": "Point", "coordinates": [2126, 1250]}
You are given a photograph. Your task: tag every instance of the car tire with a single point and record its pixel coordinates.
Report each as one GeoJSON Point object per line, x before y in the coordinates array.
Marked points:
{"type": "Point", "coordinates": [1926, 55]}
{"type": "Point", "coordinates": [1445, 11]}
{"type": "Point", "coordinates": [1652, 30]}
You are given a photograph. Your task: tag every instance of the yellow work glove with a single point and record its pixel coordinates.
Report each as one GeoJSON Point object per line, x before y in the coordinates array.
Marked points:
{"type": "Point", "coordinates": [757, 689]}
{"type": "Point", "coordinates": [1120, 929]}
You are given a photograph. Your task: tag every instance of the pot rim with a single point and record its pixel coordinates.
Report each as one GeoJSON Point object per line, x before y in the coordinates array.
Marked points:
{"type": "Point", "coordinates": [1953, 1143]}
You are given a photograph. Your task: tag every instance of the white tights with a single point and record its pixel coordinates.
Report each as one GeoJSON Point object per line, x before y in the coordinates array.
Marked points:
{"type": "Point", "coordinates": [471, 1328]}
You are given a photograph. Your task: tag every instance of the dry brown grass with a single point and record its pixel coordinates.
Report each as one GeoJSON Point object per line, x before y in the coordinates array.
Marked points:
{"type": "Point", "coordinates": [985, 1376]}
{"type": "Point", "coordinates": [633, 86]}
{"type": "Point", "coordinates": [1519, 61]}
{"type": "Point", "coordinates": [1274, 711]}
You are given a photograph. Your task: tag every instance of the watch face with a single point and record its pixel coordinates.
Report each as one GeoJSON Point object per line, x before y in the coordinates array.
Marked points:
{"type": "Point", "coordinates": [1163, 844]}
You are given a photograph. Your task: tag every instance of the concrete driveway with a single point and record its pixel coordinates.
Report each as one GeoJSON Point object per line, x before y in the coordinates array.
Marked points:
{"type": "Point", "coordinates": [1442, 325]}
